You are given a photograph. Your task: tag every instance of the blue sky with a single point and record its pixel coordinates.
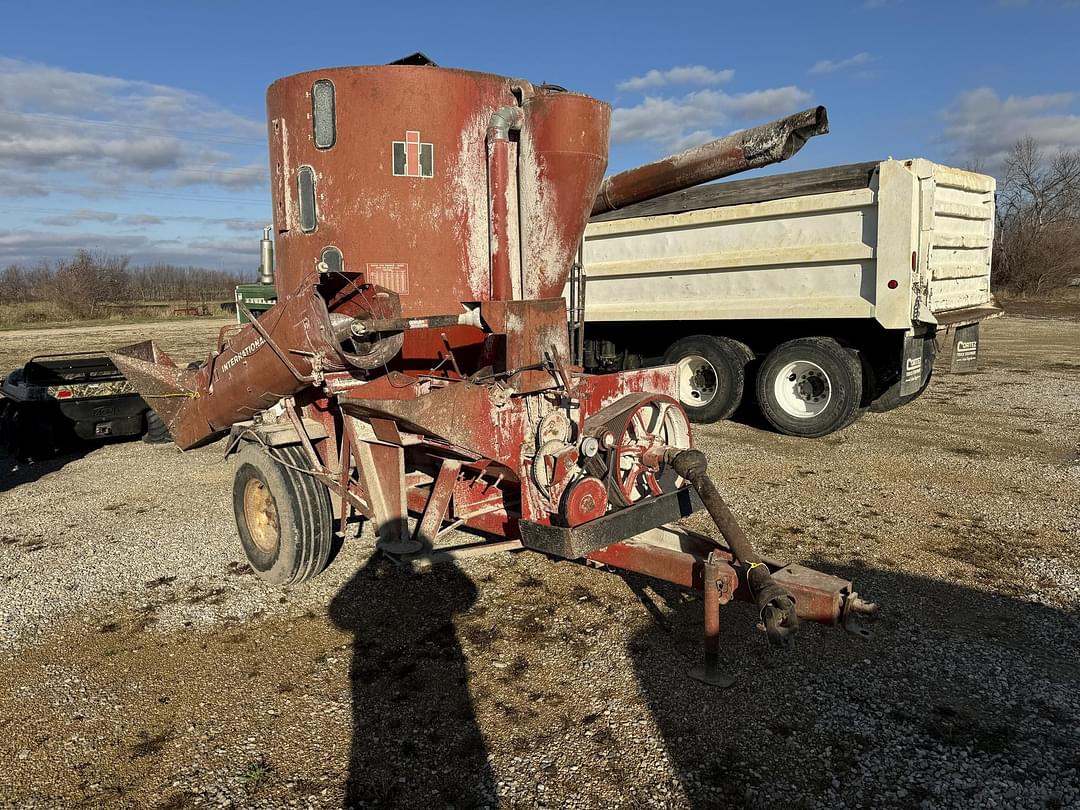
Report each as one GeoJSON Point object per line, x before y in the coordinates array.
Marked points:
{"type": "Point", "coordinates": [137, 128]}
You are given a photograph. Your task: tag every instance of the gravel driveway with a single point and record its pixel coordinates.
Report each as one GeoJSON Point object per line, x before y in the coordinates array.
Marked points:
{"type": "Point", "coordinates": [142, 665]}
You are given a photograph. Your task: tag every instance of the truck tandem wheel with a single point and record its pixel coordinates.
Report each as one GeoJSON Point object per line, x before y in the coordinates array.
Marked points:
{"type": "Point", "coordinates": [711, 373]}
{"type": "Point", "coordinates": [810, 387]}
{"type": "Point", "coordinates": [283, 515]}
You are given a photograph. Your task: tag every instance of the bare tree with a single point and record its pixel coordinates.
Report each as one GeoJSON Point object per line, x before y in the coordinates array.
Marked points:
{"type": "Point", "coordinates": [81, 285]}
{"type": "Point", "coordinates": [1038, 219]}
{"type": "Point", "coordinates": [13, 286]}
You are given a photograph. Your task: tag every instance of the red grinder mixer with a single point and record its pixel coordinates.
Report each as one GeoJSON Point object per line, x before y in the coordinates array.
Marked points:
{"type": "Point", "coordinates": [418, 360]}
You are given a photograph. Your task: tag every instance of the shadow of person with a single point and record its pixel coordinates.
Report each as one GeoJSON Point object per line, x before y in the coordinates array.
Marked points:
{"type": "Point", "coordinates": [960, 697]}
{"type": "Point", "coordinates": [415, 740]}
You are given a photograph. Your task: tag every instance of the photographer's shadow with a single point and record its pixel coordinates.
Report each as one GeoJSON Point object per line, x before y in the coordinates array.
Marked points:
{"type": "Point", "coordinates": [415, 740]}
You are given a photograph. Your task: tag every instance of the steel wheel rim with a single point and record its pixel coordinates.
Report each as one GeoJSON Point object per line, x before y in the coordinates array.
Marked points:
{"type": "Point", "coordinates": [802, 389]}
{"type": "Point", "coordinates": [260, 514]}
{"type": "Point", "coordinates": [697, 381]}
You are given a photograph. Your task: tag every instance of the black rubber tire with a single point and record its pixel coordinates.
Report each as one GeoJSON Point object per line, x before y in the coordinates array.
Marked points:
{"type": "Point", "coordinates": [156, 432]}
{"type": "Point", "coordinates": [845, 377]}
{"type": "Point", "coordinates": [25, 435]}
{"type": "Point", "coordinates": [727, 360]}
{"type": "Point", "coordinates": [891, 399]}
{"type": "Point", "coordinates": [7, 410]}
{"type": "Point", "coordinates": [305, 536]}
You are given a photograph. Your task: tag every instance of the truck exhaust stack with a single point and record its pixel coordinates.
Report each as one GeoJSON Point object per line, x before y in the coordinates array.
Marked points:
{"type": "Point", "coordinates": [416, 360]}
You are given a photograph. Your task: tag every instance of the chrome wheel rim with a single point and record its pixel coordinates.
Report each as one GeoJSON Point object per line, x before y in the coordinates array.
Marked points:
{"type": "Point", "coordinates": [697, 381]}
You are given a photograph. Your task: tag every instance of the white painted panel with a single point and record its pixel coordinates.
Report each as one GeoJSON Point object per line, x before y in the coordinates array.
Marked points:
{"type": "Point", "coordinates": [843, 290]}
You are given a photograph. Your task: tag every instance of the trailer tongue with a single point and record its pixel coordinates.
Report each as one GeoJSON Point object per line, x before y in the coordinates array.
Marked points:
{"type": "Point", "coordinates": [417, 358]}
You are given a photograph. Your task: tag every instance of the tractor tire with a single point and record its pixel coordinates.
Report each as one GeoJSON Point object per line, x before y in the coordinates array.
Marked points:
{"type": "Point", "coordinates": [712, 375]}
{"type": "Point", "coordinates": [283, 515]}
{"type": "Point", "coordinates": [156, 432]}
{"type": "Point", "coordinates": [810, 387]}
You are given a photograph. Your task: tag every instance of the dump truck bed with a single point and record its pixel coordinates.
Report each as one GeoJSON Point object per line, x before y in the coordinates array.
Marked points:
{"type": "Point", "coordinates": [901, 242]}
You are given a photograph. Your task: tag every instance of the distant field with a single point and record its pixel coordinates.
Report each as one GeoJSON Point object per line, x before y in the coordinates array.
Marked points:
{"type": "Point", "coordinates": [1063, 303]}
{"type": "Point", "coordinates": [47, 315]}
{"type": "Point", "coordinates": [184, 339]}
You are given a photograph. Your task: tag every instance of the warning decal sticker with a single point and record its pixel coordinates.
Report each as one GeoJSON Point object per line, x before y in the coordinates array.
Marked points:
{"type": "Point", "coordinates": [392, 275]}
{"type": "Point", "coordinates": [411, 158]}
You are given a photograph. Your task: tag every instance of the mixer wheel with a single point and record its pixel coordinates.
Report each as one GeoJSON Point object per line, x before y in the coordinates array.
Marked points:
{"type": "Point", "coordinates": [283, 515]}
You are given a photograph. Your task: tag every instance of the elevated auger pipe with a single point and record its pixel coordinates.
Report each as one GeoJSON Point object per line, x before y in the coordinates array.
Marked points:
{"type": "Point", "coordinates": [499, 187]}
{"type": "Point", "coordinates": [750, 149]}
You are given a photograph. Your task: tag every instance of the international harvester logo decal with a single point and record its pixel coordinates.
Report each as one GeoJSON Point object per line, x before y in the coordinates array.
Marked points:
{"type": "Point", "coordinates": [413, 158]}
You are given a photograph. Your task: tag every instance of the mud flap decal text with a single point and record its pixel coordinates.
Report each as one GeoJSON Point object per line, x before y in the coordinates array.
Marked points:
{"type": "Point", "coordinates": [965, 351]}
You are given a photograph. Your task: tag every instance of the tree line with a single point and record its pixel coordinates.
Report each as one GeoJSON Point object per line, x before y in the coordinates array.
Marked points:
{"type": "Point", "coordinates": [85, 284]}
{"type": "Point", "coordinates": [1037, 239]}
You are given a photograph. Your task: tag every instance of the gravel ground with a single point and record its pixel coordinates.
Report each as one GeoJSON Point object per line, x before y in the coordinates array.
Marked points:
{"type": "Point", "coordinates": [185, 339]}
{"type": "Point", "coordinates": [141, 664]}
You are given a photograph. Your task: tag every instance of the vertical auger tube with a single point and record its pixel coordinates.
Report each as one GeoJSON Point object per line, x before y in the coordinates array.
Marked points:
{"type": "Point", "coordinates": [750, 149]}
{"type": "Point", "coordinates": [499, 209]}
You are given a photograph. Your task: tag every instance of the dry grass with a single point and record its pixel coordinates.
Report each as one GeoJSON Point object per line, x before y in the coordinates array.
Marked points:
{"type": "Point", "coordinates": [46, 314]}
{"type": "Point", "coordinates": [1060, 303]}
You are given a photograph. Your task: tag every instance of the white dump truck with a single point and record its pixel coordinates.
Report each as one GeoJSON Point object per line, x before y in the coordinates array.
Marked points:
{"type": "Point", "coordinates": [820, 294]}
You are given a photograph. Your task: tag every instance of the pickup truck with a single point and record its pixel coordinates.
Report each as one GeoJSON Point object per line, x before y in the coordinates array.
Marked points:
{"type": "Point", "coordinates": [818, 294]}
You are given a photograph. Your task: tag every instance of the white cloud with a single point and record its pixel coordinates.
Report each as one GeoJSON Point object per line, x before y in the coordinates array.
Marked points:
{"type": "Point", "coordinates": [27, 247]}
{"type": "Point", "coordinates": [981, 126]}
{"type": "Point", "coordinates": [829, 66]}
{"type": "Point", "coordinates": [691, 74]}
{"type": "Point", "coordinates": [60, 127]}
{"type": "Point", "coordinates": [252, 227]}
{"type": "Point", "coordinates": [239, 177]}
{"type": "Point", "coordinates": [74, 141]}
{"type": "Point", "coordinates": [78, 217]}
{"type": "Point", "coordinates": [679, 122]}
{"type": "Point", "coordinates": [143, 219]}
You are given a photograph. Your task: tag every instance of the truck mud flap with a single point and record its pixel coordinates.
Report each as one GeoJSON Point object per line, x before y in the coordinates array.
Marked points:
{"type": "Point", "coordinates": [918, 362]}
{"type": "Point", "coordinates": [965, 349]}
